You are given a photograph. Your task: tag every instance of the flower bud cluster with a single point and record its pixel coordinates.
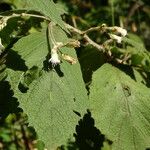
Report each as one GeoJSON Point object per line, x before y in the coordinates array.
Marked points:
{"type": "Point", "coordinates": [3, 22]}
{"type": "Point", "coordinates": [54, 52]}
{"type": "Point", "coordinates": [118, 30]}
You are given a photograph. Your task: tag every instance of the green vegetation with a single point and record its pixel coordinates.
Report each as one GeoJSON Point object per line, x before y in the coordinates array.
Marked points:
{"type": "Point", "coordinates": [74, 75]}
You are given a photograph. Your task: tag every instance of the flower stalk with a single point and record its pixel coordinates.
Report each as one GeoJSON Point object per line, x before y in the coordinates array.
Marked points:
{"type": "Point", "coordinates": [54, 54]}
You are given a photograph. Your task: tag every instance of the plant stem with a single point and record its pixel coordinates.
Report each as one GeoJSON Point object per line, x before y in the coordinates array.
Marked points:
{"type": "Point", "coordinates": [71, 28]}
{"type": "Point", "coordinates": [112, 12]}
{"type": "Point", "coordinates": [25, 15]}
{"type": "Point", "coordinates": [85, 36]}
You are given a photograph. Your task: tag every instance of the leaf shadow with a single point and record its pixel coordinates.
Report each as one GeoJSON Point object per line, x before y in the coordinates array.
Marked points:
{"type": "Point", "coordinates": [47, 66]}
{"type": "Point", "coordinates": [90, 60]}
{"type": "Point", "coordinates": [15, 62]}
{"type": "Point", "coordinates": [8, 103]}
{"type": "Point", "coordinates": [4, 7]}
{"type": "Point", "coordinates": [28, 77]}
{"type": "Point", "coordinates": [126, 69]}
{"type": "Point", "coordinates": [146, 78]}
{"type": "Point", "coordinates": [87, 136]}
{"type": "Point", "coordinates": [129, 71]}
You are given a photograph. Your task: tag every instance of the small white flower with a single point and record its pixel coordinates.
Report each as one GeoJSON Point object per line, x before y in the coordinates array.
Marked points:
{"type": "Point", "coordinates": [1, 46]}
{"type": "Point", "coordinates": [54, 59]}
{"type": "Point", "coordinates": [116, 37]}
{"type": "Point", "coordinates": [54, 55]}
{"type": "Point", "coordinates": [120, 30]}
{"type": "Point", "coordinates": [3, 22]}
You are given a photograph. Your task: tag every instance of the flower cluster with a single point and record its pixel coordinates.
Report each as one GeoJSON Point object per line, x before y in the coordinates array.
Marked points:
{"type": "Point", "coordinates": [118, 30]}
{"type": "Point", "coordinates": [54, 52]}
{"type": "Point", "coordinates": [3, 22]}
{"type": "Point", "coordinates": [116, 37]}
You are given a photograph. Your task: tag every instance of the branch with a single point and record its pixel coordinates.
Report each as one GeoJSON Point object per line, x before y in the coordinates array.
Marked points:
{"type": "Point", "coordinates": [92, 29]}
{"type": "Point", "coordinates": [4, 19]}
{"type": "Point", "coordinates": [133, 9]}
{"type": "Point", "coordinates": [86, 37]}
{"type": "Point", "coordinates": [73, 29]}
{"type": "Point", "coordinates": [25, 15]}
{"type": "Point", "coordinates": [94, 44]}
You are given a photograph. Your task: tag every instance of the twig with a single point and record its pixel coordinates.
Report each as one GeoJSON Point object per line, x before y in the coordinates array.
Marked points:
{"type": "Point", "coordinates": [25, 15]}
{"type": "Point", "coordinates": [81, 20]}
{"type": "Point", "coordinates": [71, 28]}
{"type": "Point", "coordinates": [133, 9]}
{"type": "Point", "coordinates": [94, 44]}
{"type": "Point", "coordinates": [85, 36]}
{"type": "Point", "coordinates": [37, 16]}
{"type": "Point", "coordinates": [25, 138]}
{"type": "Point", "coordinates": [74, 21]}
{"type": "Point", "coordinates": [92, 29]}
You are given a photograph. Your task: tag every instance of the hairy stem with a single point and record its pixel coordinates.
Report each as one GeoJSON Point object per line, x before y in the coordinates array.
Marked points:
{"type": "Point", "coordinates": [85, 36]}
{"type": "Point", "coordinates": [25, 15]}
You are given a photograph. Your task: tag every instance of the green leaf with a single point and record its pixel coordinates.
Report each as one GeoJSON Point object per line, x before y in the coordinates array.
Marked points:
{"type": "Point", "coordinates": [48, 8]}
{"type": "Point", "coordinates": [55, 99]}
{"type": "Point", "coordinates": [139, 77]}
{"type": "Point", "coordinates": [139, 55]}
{"type": "Point", "coordinates": [33, 49]}
{"type": "Point", "coordinates": [136, 38]}
{"type": "Point", "coordinates": [19, 4]}
{"type": "Point", "coordinates": [121, 108]}
{"type": "Point", "coordinates": [52, 103]}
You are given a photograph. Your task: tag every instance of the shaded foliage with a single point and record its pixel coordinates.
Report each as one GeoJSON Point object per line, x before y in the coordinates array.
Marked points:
{"type": "Point", "coordinates": [8, 103]}
{"type": "Point", "coordinates": [52, 95]}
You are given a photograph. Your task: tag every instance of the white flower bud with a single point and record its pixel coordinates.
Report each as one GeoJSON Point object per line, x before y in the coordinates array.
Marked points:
{"type": "Point", "coordinates": [73, 43]}
{"type": "Point", "coordinates": [3, 22]}
{"type": "Point", "coordinates": [54, 55]}
{"type": "Point", "coordinates": [116, 37]}
{"type": "Point", "coordinates": [120, 30]}
{"type": "Point", "coordinates": [54, 59]}
{"type": "Point", "coordinates": [1, 47]}
{"type": "Point", "coordinates": [69, 59]}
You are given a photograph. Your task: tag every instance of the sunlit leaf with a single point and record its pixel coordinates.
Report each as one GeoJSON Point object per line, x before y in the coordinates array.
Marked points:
{"type": "Point", "coordinates": [121, 108]}
{"type": "Point", "coordinates": [56, 98]}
